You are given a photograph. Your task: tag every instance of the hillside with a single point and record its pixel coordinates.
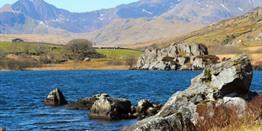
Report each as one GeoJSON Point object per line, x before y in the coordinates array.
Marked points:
{"type": "Point", "coordinates": [227, 38]}
{"type": "Point", "coordinates": [136, 22]}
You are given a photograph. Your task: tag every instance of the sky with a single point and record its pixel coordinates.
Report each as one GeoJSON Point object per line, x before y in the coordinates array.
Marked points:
{"type": "Point", "coordinates": [80, 5]}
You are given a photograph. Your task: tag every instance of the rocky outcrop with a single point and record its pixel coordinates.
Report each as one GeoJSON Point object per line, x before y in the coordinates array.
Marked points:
{"type": "Point", "coordinates": [55, 98]}
{"type": "Point", "coordinates": [177, 56]}
{"type": "Point", "coordinates": [224, 83]}
{"type": "Point", "coordinates": [110, 108]}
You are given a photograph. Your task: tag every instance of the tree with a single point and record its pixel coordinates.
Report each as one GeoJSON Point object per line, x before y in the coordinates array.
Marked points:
{"type": "Point", "coordinates": [131, 61]}
{"type": "Point", "coordinates": [79, 49]}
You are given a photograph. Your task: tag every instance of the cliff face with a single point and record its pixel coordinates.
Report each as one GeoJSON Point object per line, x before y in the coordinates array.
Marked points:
{"type": "Point", "coordinates": [176, 57]}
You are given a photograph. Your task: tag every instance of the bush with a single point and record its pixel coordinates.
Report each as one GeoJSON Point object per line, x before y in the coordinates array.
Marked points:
{"type": "Point", "coordinates": [216, 117]}
{"type": "Point", "coordinates": [20, 64]}
{"type": "Point", "coordinates": [131, 61]}
{"type": "Point", "coordinates": [79, 49]}
{"type": "Point", "coordinates": [2, 54]}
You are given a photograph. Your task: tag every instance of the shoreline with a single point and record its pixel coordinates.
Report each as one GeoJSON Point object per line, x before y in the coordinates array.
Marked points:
{"type": "Point", "coordinates": [92, 69]}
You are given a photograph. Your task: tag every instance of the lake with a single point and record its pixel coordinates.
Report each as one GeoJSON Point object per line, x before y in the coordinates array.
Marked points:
{"type": "Point", "coordinates": [22, 94]}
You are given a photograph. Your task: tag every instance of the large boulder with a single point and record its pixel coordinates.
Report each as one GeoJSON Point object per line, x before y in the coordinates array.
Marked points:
{"type": "Point", "coordinates": [228, 79]}
{"type": "Point", "coordinates": [55, 98]}
{"type": "Point", "coordinates": [177, 56]}
{"type": "Point", "coordinates": [110, 108]}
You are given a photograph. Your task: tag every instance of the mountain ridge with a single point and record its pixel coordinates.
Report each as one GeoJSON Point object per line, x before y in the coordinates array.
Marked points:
{"type": "Point", "coordinates": [125, 24]}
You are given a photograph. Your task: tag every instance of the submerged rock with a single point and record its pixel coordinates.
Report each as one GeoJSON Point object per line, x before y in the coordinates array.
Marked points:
{"type": "Point", "coordinates": [85, 103]}
{"type": "Point", "coordinates": [109, 108]}
{"type": "Point", "coordinates": [55, 98]}
{"type": "Point", "coordinates": [82, 104]}
{"type": "Point", "coordinates": [226, 80]}
{"type": "Point", "coordinates": [178, 56]}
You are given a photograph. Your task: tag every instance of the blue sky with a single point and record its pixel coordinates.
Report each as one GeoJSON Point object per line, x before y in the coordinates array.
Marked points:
{"type": "Point", "coordinates": [80, 5]}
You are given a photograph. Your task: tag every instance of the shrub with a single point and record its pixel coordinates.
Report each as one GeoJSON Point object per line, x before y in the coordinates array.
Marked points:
{"type": "Point", "coordinates": [131, 61]}
{"type": "Point", "coordinates": [2, 53]}
{"type": "Point", "coordinates": [21, 63]}
{"type": "Point", "coordinates": [228, 39]}
{"type": "Point", "coordinates": [216, 118]}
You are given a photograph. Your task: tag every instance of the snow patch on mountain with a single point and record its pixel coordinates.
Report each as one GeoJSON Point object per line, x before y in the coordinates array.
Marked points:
{"type": "Point", "coordinates": [146, 11]}
{"type": "Point", "coordinates": [222, 5]}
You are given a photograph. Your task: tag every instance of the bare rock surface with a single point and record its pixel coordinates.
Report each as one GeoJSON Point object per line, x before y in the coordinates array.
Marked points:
{"type": "Point", "coordinates": [185, 56]}
{"type": "Point", "coordinates": [228, 81]}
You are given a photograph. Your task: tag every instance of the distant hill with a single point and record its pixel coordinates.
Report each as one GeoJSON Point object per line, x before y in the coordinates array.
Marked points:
{"type": "Point", "coordinates": [126, 24]}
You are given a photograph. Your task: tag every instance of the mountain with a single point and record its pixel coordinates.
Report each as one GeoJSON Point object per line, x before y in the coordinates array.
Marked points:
{"type": "Point", "coordinates": [181, 18]}
{"type": "Point", "coordinates": [130, 23]}
{"type": "Point", "coordinates": [44, 13]}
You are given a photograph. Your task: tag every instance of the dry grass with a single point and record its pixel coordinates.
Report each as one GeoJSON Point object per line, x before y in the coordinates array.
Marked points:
{"type": "Point", "coordinates": [220, 118]}
{"type": "Point", "coordinates": [92, 65]}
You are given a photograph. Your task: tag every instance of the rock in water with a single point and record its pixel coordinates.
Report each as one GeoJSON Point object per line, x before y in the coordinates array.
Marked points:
{"type": "Point", "coordinates": [109, 108]}
{"type": "Point", "coordinates": [85, 103]}
{"type": "Point", "coordinates": [177, 56]}
{"type": "Point", "coordinates": [231, 78]}
{"type": "Point", "coordinates": [55, 98]}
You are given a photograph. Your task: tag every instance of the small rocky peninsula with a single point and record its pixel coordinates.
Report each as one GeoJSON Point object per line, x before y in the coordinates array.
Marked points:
{"type": "Point", "coordinates": [184, 56]}
{"type": "Point", "coordinates": [225, 84]}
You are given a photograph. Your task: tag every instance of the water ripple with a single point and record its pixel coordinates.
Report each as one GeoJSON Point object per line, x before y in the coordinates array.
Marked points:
{"type": "Point", "coordinates": [22, 94]}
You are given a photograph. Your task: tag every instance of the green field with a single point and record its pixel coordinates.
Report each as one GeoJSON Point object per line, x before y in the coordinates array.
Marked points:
{"type": "Point", "coordinates": [30, 48]}
{"type": "Point", "coordinates": [119, 54]}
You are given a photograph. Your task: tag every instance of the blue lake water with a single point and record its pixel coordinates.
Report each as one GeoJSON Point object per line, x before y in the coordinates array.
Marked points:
{"type": "Point", "coordinates": [22, 93]}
